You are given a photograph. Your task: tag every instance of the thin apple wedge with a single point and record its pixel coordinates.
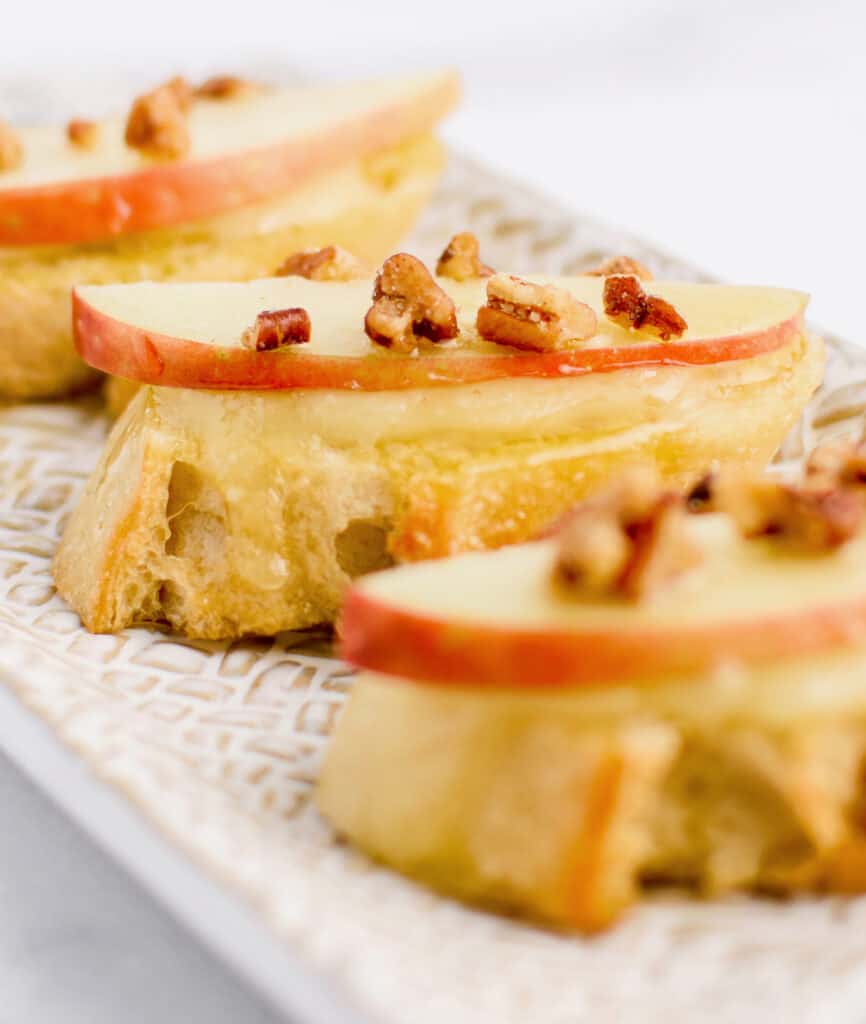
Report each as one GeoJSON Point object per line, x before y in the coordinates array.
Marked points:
{"type": "Point", "coordinates": [493, 620]}
{"type": "Point", "coordinates": [240, 152]}
{"type": "Point", "coordinates": [190, 335]}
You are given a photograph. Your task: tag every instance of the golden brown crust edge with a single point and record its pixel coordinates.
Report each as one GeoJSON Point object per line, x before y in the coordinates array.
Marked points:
{"type": "Point", "coordinates": [101, 563]}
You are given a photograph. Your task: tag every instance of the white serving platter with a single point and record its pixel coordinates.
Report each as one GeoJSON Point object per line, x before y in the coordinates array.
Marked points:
{"type": "Point", "coordinates": [192, 763]}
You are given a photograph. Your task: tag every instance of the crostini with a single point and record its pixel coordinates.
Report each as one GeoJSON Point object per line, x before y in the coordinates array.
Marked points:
{"type": "Point", "coordinates": [217, 182]}
{"type": "Point", "coordinates": [649, 697]}
{"type": "Point", "coordinates": [292, 433]}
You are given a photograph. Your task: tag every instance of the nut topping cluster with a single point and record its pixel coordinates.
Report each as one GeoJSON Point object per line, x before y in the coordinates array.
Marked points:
{"type": "Point", "coordinates": [11, 148]}
{"type": "Point", "coordinates": [226, 87]}
{"type": "Point", "coordinates": [329, 264]}
{"type": "Point", "coordinates": [629, 541]}
{"type": "Point", "coordinates": [83, 134]}
{"type": "Point", "coordinates": [184, 92]}
{"type": "Point", "coordinates": [411, 310]}
{"type": "Point", "coordinates": [842, 462]}
{"type": "Point", "coordinates": [627, 304]}
{"type": "Point", "coordinates": [461, 259]}
{"type": "Point", "coordinates": [408, 307]}
{"type": "Point", "coordinates": [618, 265]}
{"type": "Point", "coordinates": [818, 514]}
{"type": "Point", "coordinates": [157, 122]}
{"type": "Point", "coordinates": [535, 317]}
{"type": "Point", "coordinates": [277, 328]}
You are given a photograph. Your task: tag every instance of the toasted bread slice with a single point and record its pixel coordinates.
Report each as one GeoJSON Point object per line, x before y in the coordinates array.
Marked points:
{"type": "Point", "coordinates": [568, 807]}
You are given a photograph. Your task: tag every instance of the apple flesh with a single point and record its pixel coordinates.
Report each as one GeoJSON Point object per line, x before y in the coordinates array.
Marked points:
{"type": "Point", "coordinates": [366, 206]}
{"type": "Point", "coordinates": [188, 335]}
{"type": "Point", "coordinates": [241, 152]}
{"type": "Point", "coordinates": [494, 619]}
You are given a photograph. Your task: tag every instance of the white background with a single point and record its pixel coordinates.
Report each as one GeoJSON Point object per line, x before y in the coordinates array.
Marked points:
{"type": "Point", "coordinates": [730, 133]}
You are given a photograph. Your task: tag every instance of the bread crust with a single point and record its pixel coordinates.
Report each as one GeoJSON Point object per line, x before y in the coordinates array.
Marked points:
{"type": "Point", "coordinates": [234, 513]}
{"type": "Point", "coordinates": [365, 207]}
{"type": "Point", "coordinates": [568, 808]}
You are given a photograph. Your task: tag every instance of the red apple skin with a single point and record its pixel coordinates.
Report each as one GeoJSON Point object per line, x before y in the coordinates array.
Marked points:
{"type": "Point", "coordinates": [396, 642]}
{"type": "Point", "coordinates": [90, 210]}
{"type": "Point", "coordinates": [125, 350]}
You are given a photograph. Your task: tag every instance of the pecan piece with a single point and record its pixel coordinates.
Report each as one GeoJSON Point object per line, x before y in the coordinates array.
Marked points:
{"type": "Point", "coordinates": [183, 91]}
{"type": "Point", "coordinates": [840, 462]}
{"type": "Point", "coordinates": [661, 549]}
{"type": "Point", "coordinates": [461, 259]}
{"type": "Point", "coordinates": [408, 306]}
{"type": "Point", "coordinates": [11, 148]}
{"type": "Point", "coordinates": [627, 304]}
{"type": "Point", "coordinates": [537, 317]}
{"type": "Point", "coordinates": [630, 540]}
{"type": "Point", "coordinates": [815, 516]}
{"type": "Point", "coordinates": [226, 87]}
{"type": "Point", "coordinates": [277, 328]}
{"type": "Point", "coordinates": [157, 124]}
{"type": "Point", "coordinates": [329, 264]}
{"type": "Point", "coordinates": [619, 265]}
{"type": "Point", "coordinates": [83, 134]}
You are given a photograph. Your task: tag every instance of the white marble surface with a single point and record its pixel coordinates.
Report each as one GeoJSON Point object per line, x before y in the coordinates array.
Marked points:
{"type": "Point", "coordinates": [731, 133]}
{"type": "Point", "coordinates": [80, 943]}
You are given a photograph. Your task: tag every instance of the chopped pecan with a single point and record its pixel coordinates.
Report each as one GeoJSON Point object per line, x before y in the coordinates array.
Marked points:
{"type": "Point", "coordinates": [157, 125]}
{"type": "Point", "coordinates": [618, 265]}
{"type": "Point", "coordinates": [183, 91]}
{"type": "Point", "coordinates": [815, 520]}
{"type": "Point", "coordinates": [841, 462]}
{"type": "Point", "coordinates": [11, 148]}
{"type": "Point", "coordinates": [593, 548]}
{"type": "Point", "coordinates": [83, 134]}
{"type": "Point", "coordinates": [226, 87]}
{"type": "Point", "coordinates": [661, 549]}
{"type": "Point", "coordinates": [537, 317]}
{"type": "Point", "coordinates": [329, 264]}
{"type": "Point", "coordinates": [750, 501]}
{"type": "Point", "coordinates": [408, 306]}
{"type": "Point", "coordinates": [461, 259]}
{"type": "Point", "coordinates": [627, 304]}
{"type": "Point", "coordinates": [815, 516]}
{"type": "Point", "coordinates": [630, 540]}
{"type": "Point", "coordinates": [277, 328]}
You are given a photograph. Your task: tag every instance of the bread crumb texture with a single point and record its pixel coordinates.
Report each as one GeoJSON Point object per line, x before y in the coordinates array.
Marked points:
{"type": "Point", "coordinates": [571, 806]}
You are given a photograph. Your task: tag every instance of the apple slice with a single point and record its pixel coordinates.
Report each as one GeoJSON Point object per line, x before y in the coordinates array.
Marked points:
{"type": "Point", "coordinates": [241, 151]}
{"type": "Point", "coordinates": [494, 619]}
{"type": "Point", "coordinates": [188, 335]}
